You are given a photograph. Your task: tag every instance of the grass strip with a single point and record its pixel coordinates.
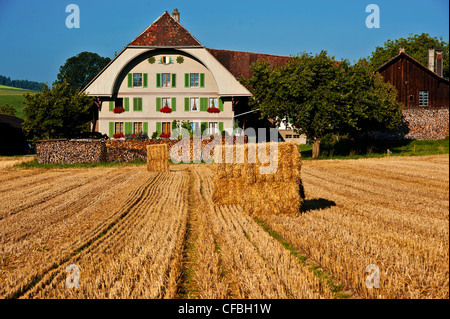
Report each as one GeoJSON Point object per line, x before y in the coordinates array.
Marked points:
{"type": "Point", "coordinates": [324, 276]}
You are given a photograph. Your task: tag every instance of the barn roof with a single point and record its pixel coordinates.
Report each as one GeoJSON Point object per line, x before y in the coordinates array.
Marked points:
{"type": "Point", "coordinates": [238, 62]}
{"type": "Point", "coordinates": [166, 32]}
{"type": "Point", "coordinates": [11, 120]}
{"type": "Point", "coordinates": [415, 62]}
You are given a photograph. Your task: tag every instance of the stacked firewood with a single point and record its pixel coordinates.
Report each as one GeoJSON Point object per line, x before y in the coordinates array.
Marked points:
{"type": "Point", "coordinates": [70, 151]}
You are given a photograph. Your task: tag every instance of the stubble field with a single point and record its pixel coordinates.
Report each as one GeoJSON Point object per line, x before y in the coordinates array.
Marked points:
{"type": "Point", "coordinates": [135, 234]}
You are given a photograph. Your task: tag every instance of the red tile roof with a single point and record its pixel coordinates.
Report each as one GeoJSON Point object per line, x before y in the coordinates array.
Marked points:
{"type": "Point", "coordinates": [238, 62]}
{"type": "Point", "coordinates": [166, 32]}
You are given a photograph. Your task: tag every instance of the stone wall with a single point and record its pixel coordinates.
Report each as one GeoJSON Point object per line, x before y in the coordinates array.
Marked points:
{"type": "Point", "coordinates": [70, 151]}
{"type": "Point", "coordinates": [419, 124]}
{"type": "Point", "coordinates": [426, 123]}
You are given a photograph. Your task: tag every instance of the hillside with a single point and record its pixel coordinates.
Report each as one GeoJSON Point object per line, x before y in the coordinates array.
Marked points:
{"type": "Point", "coordinates": [14, 96]}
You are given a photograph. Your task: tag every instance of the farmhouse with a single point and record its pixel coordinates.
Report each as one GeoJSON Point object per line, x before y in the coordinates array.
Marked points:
{"type": "Point", "coordinates": [166, 74]}
{"type": "Point", "coordinates": [423, 91]}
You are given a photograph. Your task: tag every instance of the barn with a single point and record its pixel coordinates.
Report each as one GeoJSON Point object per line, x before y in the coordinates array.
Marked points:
{"type": "Point", "coordinates": [423, 91]}
{"type": "Point", "coordinates": [12, 139]}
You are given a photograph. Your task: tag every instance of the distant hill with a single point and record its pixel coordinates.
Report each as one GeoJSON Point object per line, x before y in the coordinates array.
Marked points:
{"type": "Point", "coordinates": [14, 96]}
{"type": "Point", "coordinates": [23, 84]}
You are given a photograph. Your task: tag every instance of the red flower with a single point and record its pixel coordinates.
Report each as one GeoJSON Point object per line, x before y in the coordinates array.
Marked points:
{"type": "Point", "coordinates": [162, 135]}
{"type": "Point", "coordinates": [119, 109]}
{"type": "Point", "coordinates": [166, 109]}
{"type": "Point", "coordinates": [213, 110]}
{"type": "Point", "coordinates": [118, 135]}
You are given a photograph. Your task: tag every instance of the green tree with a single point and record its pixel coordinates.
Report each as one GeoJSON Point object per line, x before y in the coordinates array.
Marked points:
{"type": "Point", "coordinates": [323, 96]}
{"type": "Point", "coordinates": [415, 45]}
{"type": "Point", "coordinates": [79, 70]}
{"type": "Point", "coordinates": [7, 109]}
{"type": "Point", "coordinates": [56, 113]}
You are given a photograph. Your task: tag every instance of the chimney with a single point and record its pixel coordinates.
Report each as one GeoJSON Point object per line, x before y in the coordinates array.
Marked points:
{"type": "Point", "coordinates": [431, 59]}
{"type": "Point", "coordinates": [176, 15]}
{"type": "Point", "coordinates": [439, 70]}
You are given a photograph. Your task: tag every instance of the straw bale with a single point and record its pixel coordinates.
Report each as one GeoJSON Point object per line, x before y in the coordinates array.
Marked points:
{"type": "Point", "coordinates": [243, 182]}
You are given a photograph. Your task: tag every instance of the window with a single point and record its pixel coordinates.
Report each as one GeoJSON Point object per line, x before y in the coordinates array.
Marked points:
{"type": "Point", "coordinates": [137, 79]}
{"type": "Point", "coordinates": [194, 80]}
{"type": "Point", "coordinates": [165, 80]}
{"type": "Point", "coordinates": [166, 126]}
{"type": "Point", "coordinates": [296, 136]}
{"type": "Point", "coordinates": [195, 126]}
{"type": "Point", "coordinates": [166, 102]}
{"type": "Point", "coordinates": [195, 105]}
{"type": "Point", "coordinates": [213, 128]}
{"type": "Point", "coordinates": [137, 127]}
{"type": "Point", "coordinates": [118, 128]}
{"type": "Point", "coordinates": [423, 98]}
{"type": "Point", "coordinates": [289, 136]}
{"type": "Point", "coordinates": [213, 102]}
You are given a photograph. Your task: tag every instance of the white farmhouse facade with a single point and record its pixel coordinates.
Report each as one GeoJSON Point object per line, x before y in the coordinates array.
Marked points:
{"type": "Point", "coordinates": [163, 75]}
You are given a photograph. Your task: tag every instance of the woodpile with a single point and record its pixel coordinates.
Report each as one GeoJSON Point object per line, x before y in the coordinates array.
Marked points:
{"type": "Point", "coordinates": [65, 151]}
{"type": "Point", "coordinates": [260, 178]}
{"type": "Point", "coordinates": [157, 158]}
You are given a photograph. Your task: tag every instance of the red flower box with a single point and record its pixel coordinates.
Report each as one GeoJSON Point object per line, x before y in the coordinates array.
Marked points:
{"type": "Point", "coordinates": [118, 135]}
{"type": "Point", "coordinates": [213, 110]}
{"type": "Point", "coordinates": [162, 135]}
{"type": "Point", "coordinates": [166, 109]}
{"type": "Point", "coordinates": [119, 110]}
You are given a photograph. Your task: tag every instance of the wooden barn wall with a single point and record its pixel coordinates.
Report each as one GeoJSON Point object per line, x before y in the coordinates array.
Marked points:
{"type": "Point", "coordinates": [409, 79]}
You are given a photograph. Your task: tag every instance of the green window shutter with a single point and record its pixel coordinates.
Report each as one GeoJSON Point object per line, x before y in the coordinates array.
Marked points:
{"type": "Point", "coordinates": [130, 80]}
{"type": "Point", "coordinates": [145, 127]}
{"type": "Point", "coordinates": [111, 129]}
{"type": "Point", "coordinates": [111, 106]}
{"type": "Point", "coordinates": [186, 80]}
{"type": "Point", "coordinates": [158, 104]}
{"type": "Point", "coordinates": [202, 80]}
{"type": "Point", "coordinates": [134, 104]}
{"type": "Point", "coordinates": [174, 104]}
{"type": "Point", "coordinates": [203, 104]}
{"type": "Point", "coordinates": [158, 80]}
{"type": "Point", "coordinates": [128, 127]}
{"type": "Point", "coordinates": [220, 105]}
{"type": "Point", "coordinates": [145, 80]}
{"type": "Point", "coordinates": [158, 127]}
{"type": "Point", "coordinates": [220, 127]}
{"type": "Point", "coordinates": [174, 80]}
{"type": "Point", "coordinates": [127, 104]}
{"type": "Point", "coordinates": [186, 104]}
{"type": "Point", "coordinates": [140, 103]}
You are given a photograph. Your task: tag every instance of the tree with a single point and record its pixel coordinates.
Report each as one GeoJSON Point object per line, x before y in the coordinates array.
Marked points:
{"type": "Point", "coordinates": [415, 45]}
{"type": "Point", "coordinates": [7, 109]}
{"type": "Point", "coordinates": [79, 70]}
{"type": "Point", "coordinates": [323, 96]}
{"type": "Point", "coordinates": [56, 113]}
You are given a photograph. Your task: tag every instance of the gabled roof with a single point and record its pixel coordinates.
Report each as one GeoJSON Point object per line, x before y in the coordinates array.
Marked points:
{"type": "Point", "coordinates": [166, 32]}
{"type": "Point", "coordinates": [414, 61]}
{"type": "Point", "coordinates": [238, 62]}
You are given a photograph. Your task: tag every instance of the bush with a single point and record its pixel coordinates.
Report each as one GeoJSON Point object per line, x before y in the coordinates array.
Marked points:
{"type": "Point", "coordinates": [137, 137]}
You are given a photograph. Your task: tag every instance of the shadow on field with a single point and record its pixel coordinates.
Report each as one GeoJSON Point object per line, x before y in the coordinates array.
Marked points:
{"type": "Point", "coordinates": [316, 204]}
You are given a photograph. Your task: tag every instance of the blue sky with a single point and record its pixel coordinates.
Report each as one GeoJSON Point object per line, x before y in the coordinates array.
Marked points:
{"type": "Point", "coordinates": [35, 41]}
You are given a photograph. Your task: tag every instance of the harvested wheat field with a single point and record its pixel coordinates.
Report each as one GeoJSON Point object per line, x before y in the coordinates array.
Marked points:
{"type": "Point", "coordinates": [138, 234]}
